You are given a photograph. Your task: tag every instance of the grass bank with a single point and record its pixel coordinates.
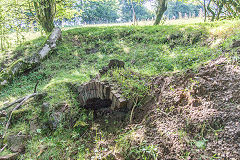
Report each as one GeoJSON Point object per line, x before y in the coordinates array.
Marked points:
{"type": "Point", "coordinates": [149, 51]}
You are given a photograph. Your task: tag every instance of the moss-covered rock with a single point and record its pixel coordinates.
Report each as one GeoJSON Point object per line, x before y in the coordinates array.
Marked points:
{"type": "Point", "coordinates": [19, 114]}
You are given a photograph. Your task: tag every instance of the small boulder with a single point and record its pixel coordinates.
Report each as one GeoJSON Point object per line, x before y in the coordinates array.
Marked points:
{"type": "Point", "coordinates": [103, 70]}
{"type": "Point", "coordinates": [114, 63]}
{"type": "Point", "coordinates": [33, 126]}
{"type": "Point", "coordinates": [174, 36]}
{"type": "Point", "coordinates": [17, 143]}
{"type": "Point", "coordinates": [3, 114]}
{"type": "Point", "coordinates": [45, 107]}
{"type": "Point", "coordinates": [236, 43]}
{"type": "Point", "coordinates": [55, 120]}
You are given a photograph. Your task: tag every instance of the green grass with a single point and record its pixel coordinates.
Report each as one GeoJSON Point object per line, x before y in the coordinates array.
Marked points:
{"type": "Point", "coordinates": [146, 50]}
{"type": "Point", "coordinates": [26, 49]}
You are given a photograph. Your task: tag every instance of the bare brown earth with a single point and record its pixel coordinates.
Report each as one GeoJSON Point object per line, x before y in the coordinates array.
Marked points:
{"type": "Point", "coordinates": [195, 107]}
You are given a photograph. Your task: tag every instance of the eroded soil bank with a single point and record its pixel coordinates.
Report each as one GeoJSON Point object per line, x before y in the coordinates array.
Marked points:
{"type": "Point", "coordinates": [196, 115]}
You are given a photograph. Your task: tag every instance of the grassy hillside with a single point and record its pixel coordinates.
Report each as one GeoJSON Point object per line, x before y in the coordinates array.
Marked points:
{"type": "Point", "coordinates": [148, 51]}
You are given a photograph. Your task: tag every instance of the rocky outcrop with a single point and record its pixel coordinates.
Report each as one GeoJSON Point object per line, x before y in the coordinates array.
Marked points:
{"type": "Point", "coordinates": [23, 65]}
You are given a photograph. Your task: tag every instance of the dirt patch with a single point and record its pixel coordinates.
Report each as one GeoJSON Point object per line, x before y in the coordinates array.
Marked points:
{"type": "Point", "coordinates": [196, 115]}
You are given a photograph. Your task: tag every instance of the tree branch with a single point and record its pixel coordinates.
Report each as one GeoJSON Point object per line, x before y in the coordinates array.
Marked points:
{"type": "Point", "coordinates": [3, 148]}
{"type": "Point", "coordinates": [35, 88]}
{"type": "Point", "coordinates": [16, 108]}
{"type": "Point", "coordinates": [11, 104]}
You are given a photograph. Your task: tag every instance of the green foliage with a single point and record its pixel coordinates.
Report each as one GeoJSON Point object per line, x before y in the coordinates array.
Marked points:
{"type": "Point", "coordinates": [144, 152]}
{"type": "Point", "coordinates": [109, 11]}
{"type": "Point", "coordinates": [141, 12]}
{"type": "Point", "coordinates": [133, 84]}
{"type": "Point", "coordinates": [174, 8]}
{"type": "Point", "coordinates": [104, 11]}
{"type": "Point", "coordinates": [12, 15]}
{"type": "Point", "coordinates": [201, 144]}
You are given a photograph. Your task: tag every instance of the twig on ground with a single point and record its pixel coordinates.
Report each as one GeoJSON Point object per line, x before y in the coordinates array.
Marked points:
{"type": "Point", "coordinates": [107, 154]}
{"type": "Point", "coordinates": [35, 88]}
{"type": "Point", "coordinates": [16, 108]}
{"type": "Point", "coordinates": [11, 104]}
{"type": "Point", "coordinates": [3, 148]}
{"type": "Point", "coordinates": [131, 116]}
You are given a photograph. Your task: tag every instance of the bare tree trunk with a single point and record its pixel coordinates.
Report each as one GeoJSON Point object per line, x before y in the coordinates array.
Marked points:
{"type": "Point", "coordinates": [205, 11]}
{"type": "Point", "coordinates": [161, 8]}
{"type": "Point", "coordinates": [28, 63]}
{"type": "Point", "coordinates": [134, 15]}
{"type": "Point", "coordinates": [211, 11]}
{"type": "Point", "coordinates": [220, 7]}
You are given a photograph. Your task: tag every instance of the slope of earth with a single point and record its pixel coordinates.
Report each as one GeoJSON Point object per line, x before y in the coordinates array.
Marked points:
{"type": "Point", "coordinates": [27, 49]}
{"type": "Point", "coordinates": [58, 128]}
{"type": "Point", "coordinates": [196, 115]}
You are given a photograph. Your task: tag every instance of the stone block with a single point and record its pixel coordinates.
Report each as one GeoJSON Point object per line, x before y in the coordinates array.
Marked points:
{"type": "Point", "coordinates": [101, 90]}
{"type": "Point", "coordinates": [122, 102]}
{"type": "Point", "coordinates": [92, 86]}
{"type": "Point", "coordinates": [106, 91]}
{"type": "Point", "coordinates": [94, 93]}
{"type": "Point", "coordinates": [80, 89]}
{"type": "Point", "coordinates": [117, 95]}
{"type": "Point", "coordinates": [80, 98]}
{"type": "Point", "coordinates": [112, 93]}
{"type": "Point", "coordinates": [113, 106]}
{"type": "Point", "coordinates": [98, 89]}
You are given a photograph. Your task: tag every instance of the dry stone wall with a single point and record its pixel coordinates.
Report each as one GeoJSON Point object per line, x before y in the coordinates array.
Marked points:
{"type": "Point", "coordinates": [102, 90]}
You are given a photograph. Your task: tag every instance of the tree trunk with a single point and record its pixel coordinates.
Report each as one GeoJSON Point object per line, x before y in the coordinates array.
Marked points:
{"type": "Point", "coordinates": [134, 15]}
{"type": "Point", "coordinates": [205, 11]}
{"type": "Point", "coordinates": [45, 11]}
{"type": "Point", "coordinates": [220, 7]}
{"type": "Point", "coordinates": [28, 63]}
{"type": "Point", "coordinates": [161, 8]}
{"type": "Point", "coordinates": [211, 11]}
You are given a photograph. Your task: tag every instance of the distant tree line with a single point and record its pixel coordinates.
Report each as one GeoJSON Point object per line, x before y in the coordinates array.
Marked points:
{"type": "Point", "coordinates": [175, 9]}
{"type": "Point", "coordinates": [110, 11]}
{"type": "Point", "coordinates": [17, 15]}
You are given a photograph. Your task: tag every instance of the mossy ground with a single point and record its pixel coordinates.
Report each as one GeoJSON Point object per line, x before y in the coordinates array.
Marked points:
{"type": "Point", "coordinates": [146, 50]}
